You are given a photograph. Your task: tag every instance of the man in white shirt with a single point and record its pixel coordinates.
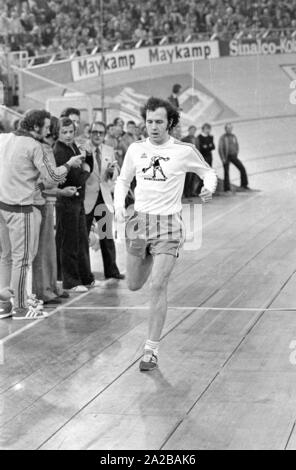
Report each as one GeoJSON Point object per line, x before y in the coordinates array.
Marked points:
{"type": "Point", "coordinates": [154, 233]}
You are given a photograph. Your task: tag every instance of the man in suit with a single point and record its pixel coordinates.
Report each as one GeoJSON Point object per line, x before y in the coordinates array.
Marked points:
{"type": "Point", "coordinates": [174, 97]}
{"type": "Point", "coordinates": [98, 197]}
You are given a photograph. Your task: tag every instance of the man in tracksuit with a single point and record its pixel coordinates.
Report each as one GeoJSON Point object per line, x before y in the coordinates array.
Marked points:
{"type": "Point", "coordinates": [22, 161]}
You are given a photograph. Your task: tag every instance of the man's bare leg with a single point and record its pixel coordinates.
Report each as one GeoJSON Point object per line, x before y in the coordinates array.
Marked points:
{"type": "Point", "coordinates": [161, 271]}
{"type": "Point", "coordinates": [138, 270]}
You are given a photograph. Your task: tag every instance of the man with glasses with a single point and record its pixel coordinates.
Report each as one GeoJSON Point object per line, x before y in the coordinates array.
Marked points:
{"type": "Point", "coordinates": [98, 197]}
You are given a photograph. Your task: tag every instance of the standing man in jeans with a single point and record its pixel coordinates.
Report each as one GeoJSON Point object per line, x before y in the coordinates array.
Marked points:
{"type": "Point", "coordinates": [228, 151]}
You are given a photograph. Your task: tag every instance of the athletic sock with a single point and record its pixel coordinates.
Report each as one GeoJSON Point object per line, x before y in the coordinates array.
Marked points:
{"type": "Point", "coordinates": [151, 346]}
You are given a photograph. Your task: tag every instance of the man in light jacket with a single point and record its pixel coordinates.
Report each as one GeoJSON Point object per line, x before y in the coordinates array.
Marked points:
{"type": "Point", "coordinates": [22, 161]}
{"type": "Point", "coordinates": [98, 197]}
{"type": "Point", "coordinates": [228, 151]}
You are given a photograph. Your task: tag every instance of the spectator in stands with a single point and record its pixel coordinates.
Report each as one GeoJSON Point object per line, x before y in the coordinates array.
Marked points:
{"type": "Point", "coordinates": [228, 151]}
{"type": "Point", "coordinates": [98, 197]}
{"type": "Point", "coordinates": [71, 233]}
{"type": "Point", "coordinates": [205, 143]}
{"type": "Point", "coordinates": [15, 26]}
{"type": "Point", "coordinates": [75, 24]}
{"type": "Point", "coordinates": [174, 97]}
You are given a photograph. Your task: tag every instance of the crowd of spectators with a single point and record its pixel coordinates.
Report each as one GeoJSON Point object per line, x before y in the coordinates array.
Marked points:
{"type": "Point", "coordinates": [62, 26]}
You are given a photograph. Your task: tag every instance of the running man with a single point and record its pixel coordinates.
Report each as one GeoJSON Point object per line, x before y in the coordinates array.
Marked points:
{"type": "Point", "coordinates": [154, 232]}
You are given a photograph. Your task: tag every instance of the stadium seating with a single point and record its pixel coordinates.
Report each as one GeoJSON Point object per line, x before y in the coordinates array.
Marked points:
{"type": "Point", "coordinates": [62, 27]}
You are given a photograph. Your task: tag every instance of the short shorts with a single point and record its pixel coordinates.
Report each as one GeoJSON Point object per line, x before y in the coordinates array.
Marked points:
{"type": "Point", "coordinates": [154, 234]}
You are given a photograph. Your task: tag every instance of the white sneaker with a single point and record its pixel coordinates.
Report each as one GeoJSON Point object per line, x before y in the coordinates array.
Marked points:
{"type": "Point", "coordinates": [29, 313]}
{"type": "Point", "coordinates": [96, 283]}
{"type": "Point", "coordinates": [6, 308]}
{"type": "Point", "coordinates": [34, 302]}
{"type": "Point", "coordinates": [79, 289]}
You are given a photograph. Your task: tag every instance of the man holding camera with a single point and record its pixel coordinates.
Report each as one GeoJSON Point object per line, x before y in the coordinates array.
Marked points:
{"type": "Point", "coordinates": [98, 197]}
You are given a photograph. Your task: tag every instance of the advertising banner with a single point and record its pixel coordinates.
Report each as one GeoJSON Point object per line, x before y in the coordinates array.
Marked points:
{"type": "Point", "coordinates": [91, 66]}
{"type": "Point", "coordinates": [246, 47]}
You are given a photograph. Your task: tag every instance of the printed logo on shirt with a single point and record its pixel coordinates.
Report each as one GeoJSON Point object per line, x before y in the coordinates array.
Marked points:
{"type": "Point", "coordinates": [156, 169]}
{"type": "Point", "coordinates": [144, 155]}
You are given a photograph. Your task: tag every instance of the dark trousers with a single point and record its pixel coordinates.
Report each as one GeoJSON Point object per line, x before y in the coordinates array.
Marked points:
{"type": "Point", "coordinates": [193, 185]}
{"type": "Point", "coordinates": [104, 218]}
{"type": "Point", "coordinates": [208, 159]}
{"type": "Point", "coordinates": [72, 244]}
{"type": "Point", "coordinates": [238, 164]}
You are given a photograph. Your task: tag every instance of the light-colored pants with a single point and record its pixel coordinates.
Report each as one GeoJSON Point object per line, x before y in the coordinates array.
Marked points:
{"type": "Point", "coordinates": [37, 216]}
{"type": "Point", "coordinates": [45, 262]}
{"type": "Point", "coordinates": [16, 240]}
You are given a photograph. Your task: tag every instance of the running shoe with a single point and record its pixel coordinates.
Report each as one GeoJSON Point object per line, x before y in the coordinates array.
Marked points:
{"type": "Point", "coordinates": [96, 283]}
{"type": "Point", "coordinates": [6, 308]}
{"type": "Point", "coordinates": [149, 361]}
{"type": "Point", "coordinates": [54, 301]}
{"type": "Point", "coordinates": [79, 289]}
{"type": "Point", "coordinates": [118, 277]}
{"type": "Point", "coordinates": [34, 302]}
{"type": "Point", "coordinates": [29, 313]}
{"type": "Point", "coordinates": [64, 295]}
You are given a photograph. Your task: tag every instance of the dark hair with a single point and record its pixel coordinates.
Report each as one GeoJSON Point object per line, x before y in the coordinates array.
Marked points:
{"type": "Point", "coordinates": [97, 123]}
{"type": "Point", "coordinates": [65, 122]}
{"type": "Point", "coordinates": [54, 127]}
{"type": "Point", "coordinates": [176, 88]}
{"type": "Point", "coordinates": [109, 126]}
{"type": "Point", "coordinates": [153, 103]}
{"type": "Point", "coordinates": [116, 120]}
{"type": "Point", "coordinates": [191, 127]}
{"type": "Point", "coordinates": [131, 122]}
{"type": "Point", "coordinates": [206, 125]}
{"type": "Point", "coordinates": [16, 124]}
{"type": "Point", "coordinates": [32, 118]}
{"type": "Point", "coordinates": [68, 111]}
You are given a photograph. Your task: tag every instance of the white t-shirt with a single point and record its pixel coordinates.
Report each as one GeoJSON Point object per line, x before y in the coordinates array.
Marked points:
{"type": "Point", "coordinates": [160, 173]}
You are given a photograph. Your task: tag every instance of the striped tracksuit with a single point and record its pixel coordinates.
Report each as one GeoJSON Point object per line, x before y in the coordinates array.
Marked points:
{"type": "Point", "coordinates": [22, 161]}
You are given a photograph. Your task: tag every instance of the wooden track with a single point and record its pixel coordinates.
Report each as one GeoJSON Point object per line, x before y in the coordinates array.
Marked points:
{"type": "Point", "coordinates": [225, 379]}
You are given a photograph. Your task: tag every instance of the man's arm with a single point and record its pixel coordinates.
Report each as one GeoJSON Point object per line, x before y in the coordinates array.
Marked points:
{"type": "Point", "coordinates": [196, 164]}
{"type": "Point", "coordinates": [123, 182]}
{"type": "Point", "coordinates": [47, 170]}
{"type": "Point", "coordinates": [221, 149]}
{"type": "Point", "coordinates": [212, 145]}
{"type": "Point", "coordinates": [113, 168]}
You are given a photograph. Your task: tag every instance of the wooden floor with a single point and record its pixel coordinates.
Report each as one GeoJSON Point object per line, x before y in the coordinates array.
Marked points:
{"type": "Point", "coordinates": [227, 377]}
